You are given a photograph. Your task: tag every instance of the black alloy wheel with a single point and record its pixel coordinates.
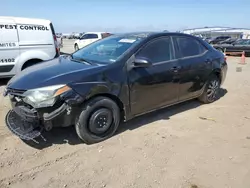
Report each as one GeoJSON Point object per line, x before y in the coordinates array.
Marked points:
{"type": "Point", "coordinates": [211, 91]}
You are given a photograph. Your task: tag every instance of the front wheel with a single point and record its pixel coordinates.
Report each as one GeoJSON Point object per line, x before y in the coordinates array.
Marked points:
{"type": "Point", "coordinates": [98, 120]}
{"type": "Point", "coordinates": [211, 91]}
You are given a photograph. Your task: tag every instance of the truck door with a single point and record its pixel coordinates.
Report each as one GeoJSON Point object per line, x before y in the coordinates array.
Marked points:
{"type": "Point", "coordinates": [9, 47]}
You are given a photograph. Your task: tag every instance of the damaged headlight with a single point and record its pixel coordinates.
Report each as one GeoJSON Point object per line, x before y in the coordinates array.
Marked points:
{"type": "Point", "coordinates": [45, 96]}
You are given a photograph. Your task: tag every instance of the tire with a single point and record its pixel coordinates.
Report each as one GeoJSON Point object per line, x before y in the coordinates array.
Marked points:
{"type": "Point", "coordinates": [211, 91]}
{"type": "Point", "coordinates": [76, 47]}
{"type": "Point", "coordinates": [98, 120]}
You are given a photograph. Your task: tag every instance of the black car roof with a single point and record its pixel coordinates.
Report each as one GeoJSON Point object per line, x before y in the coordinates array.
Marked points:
{"type": "Point", "coordinates": [152, 34]}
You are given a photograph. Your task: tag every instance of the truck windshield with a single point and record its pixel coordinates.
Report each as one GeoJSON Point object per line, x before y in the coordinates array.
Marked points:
{"type": "Point", "coordinates": [107, 50]}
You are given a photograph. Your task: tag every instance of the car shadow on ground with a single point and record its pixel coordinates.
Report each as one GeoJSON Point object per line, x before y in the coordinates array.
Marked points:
{"type": "Point", "coordinates": [163, 114]}
{"type": "Point", "coordinates": [68, 135]}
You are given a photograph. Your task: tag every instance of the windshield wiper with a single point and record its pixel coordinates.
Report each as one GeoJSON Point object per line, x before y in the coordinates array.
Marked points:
{"type": "Point", "coordinates": [80, 60]}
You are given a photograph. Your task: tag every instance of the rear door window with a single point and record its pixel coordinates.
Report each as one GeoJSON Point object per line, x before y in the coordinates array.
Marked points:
{"type": "Point", "coordinates": [92, 36]}
{"type": "Point", "coordinates": [159, 50]}
{"type": "Point", "coordinates": [189, 47]}
{"type": "Point", "coordinates": [89, 36]}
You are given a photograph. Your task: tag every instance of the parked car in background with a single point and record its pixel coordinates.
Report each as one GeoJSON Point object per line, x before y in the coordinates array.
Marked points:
{"type": "Point", "coordinates": [237, 46]}
{"type": "Point", "coordinates": [71, 36]}
{"type": "Point", "coordinates": [229, 41]}
{"type": "Point", "coordinates": [218, 39]}
{"type": "Point", "coordinates": [198, 35]}
{"type": "Point", "coordinates": [206, 39]}
{"type": "Point", "coordinates": [59, 41]}
{"type": "Point", "coordinates": [113, 80]}
{"type": "Point", "coordinates": [88, 38]}
{"type": "Point", "coordinates": [77, 35]}
{"type": "Point", "coordinates": [66, 35]}
{"type": "Point", "coordinates": [25, 42]}
{"type": "Point", "coordinates": [58, 35]}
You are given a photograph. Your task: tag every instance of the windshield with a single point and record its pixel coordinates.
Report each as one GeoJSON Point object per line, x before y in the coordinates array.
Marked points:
{"type": "Point", "coordinates": [242, 42]}
{"type": "Point", "coordinates": [107, 50]}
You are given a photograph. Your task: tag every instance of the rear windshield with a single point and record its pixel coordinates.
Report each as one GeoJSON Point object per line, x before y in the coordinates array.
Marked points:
{"type": "Point", "coordinates": [104, 35]}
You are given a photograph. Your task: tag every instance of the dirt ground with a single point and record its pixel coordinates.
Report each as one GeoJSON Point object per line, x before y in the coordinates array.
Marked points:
{"type": "Point", "coordinates": [172, 148]}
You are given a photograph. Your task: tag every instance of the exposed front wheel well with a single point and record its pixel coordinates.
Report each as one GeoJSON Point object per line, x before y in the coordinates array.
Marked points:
{"type": "Point", "coordinates": [30, 63]}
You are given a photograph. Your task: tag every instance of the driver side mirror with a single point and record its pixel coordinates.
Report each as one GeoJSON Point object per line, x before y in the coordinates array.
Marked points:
{"type": "Point", "coordinates": [141, 62]}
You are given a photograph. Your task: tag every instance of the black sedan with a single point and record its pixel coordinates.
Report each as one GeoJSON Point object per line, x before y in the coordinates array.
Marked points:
{"type": "Point", "coordinates": [229, 41]}
{"type": "Point", "coordinates": [113, 80]}
{"type": "Point", "coordinates": [238, 46]}
{"type": "Point", "coordinates": [215, 40]}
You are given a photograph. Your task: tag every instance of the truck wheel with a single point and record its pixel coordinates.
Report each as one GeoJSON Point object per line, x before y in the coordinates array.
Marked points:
{"type": "Point", "coordinates": [98, 120]}
{"type": "Point", "coordinates": [211, 91]}
{"type": "Point", "coordinates": [76, 47]}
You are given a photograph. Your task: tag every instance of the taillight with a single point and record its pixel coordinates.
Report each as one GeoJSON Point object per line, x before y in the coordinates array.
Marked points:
{"type": "Point", "coordinates": [54, 37]}
{"type": "Point", "coordinates": [55, 40]}
{"type": "Point", "coordinates": [225, 56]}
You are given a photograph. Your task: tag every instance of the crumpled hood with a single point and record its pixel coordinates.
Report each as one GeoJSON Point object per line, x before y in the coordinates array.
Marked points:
{"type": "Point", "coordinates": [57, 71]}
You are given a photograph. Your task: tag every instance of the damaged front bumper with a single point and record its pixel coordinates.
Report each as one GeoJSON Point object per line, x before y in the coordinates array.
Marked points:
{"type": "Point", "coordinates": [28, 123]}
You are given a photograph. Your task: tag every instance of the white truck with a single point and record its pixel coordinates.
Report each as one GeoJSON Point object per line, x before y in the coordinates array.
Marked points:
{"type": "Point", "coordinates": [25, 42]}
{"type": "Point", "coordinates": [88, 38]}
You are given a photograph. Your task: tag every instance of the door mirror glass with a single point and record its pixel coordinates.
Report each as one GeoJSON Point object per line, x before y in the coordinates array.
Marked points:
{"type": "Point", "coordinates": [142, 62]}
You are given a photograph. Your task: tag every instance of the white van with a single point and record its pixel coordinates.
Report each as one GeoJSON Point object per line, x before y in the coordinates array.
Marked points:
{"type": "Point", "coordinates": [25, 42]}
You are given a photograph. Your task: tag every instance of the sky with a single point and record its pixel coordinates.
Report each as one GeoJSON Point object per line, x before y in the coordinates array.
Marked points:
{"type": "Point", "coordinates": [131, 15]}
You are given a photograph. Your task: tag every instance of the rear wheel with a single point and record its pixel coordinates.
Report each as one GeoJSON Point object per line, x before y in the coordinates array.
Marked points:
{"type": "Point", "coordinates": [76, 47]}
{"type": "Point", "coordinates": [98, 120]}
{"type": "Point", "coordinates": [211, 91]}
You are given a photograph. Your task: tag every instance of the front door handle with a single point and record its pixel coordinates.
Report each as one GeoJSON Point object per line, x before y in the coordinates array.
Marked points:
{"type": "Point", "coordinates": [175, 68]}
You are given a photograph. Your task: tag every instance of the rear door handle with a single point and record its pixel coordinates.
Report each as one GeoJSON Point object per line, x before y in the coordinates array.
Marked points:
{"type": "Point", "coordinates": [208, 61]}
